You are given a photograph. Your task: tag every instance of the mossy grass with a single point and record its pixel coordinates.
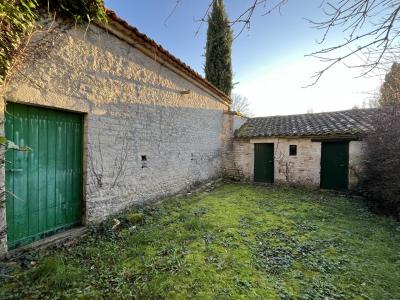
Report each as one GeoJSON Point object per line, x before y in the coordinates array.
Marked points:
{"type": "Point", "coordinates": [237, 242]}
{"type": "Point", "coordinates": [134, 218]}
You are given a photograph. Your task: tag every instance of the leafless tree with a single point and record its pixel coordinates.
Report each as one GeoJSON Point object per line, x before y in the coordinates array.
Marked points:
{"type": "Point", "coordinates": [241, 105]}
{"type": "Point", "coordinates": [370, 30]}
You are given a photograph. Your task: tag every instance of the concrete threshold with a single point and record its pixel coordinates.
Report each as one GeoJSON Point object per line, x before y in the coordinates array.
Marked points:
{"type": "Point", "coordinates": [61, 237]}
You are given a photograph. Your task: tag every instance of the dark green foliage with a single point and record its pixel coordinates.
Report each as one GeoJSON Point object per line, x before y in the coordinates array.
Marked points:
{"type": "Point", "coordinates": [16, 21]}
{"type": "Point", "coordinates": [218, 66]}
{"type": "Point", "coordinates": [382, 182]}
{"type": "Point", "coordinates": [80, 10]}
{"type": "Point", "coordinates": [390, 89]}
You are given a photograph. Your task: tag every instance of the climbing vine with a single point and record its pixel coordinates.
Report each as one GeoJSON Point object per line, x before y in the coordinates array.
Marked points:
{"type": "Point", "coordinates": [18, 19]}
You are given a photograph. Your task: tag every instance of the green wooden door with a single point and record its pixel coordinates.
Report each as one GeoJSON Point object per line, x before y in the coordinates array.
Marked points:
{"type": "Point", "coordinates": [264, 163]}
{"type": "Point", "coordinates": [335, 165]}
{"type": "Point", "coordinates": [44, 184]}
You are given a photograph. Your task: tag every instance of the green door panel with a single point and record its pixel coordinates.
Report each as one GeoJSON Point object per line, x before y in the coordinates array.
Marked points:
{"type": "Point", "coordinates": [264, 163]}
{"type": "Point", "coordinates": [335, 165]}
{"type": "Point", "coordinates": [44, 185]}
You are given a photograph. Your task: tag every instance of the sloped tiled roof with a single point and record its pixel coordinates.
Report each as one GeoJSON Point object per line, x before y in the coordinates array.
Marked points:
{"type": "Point", "coordinates": [347, 122]}
{"type": "Point", "coordinates": [162, 52]}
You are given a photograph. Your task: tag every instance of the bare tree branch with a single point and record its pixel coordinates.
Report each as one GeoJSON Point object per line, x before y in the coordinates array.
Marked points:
{"type": "Point", "coordinates": [352, 16]}
{"type": "Point", "coordinates": [245, 17]}
{"type": "Point", "coordinates": [178, 2]}
{"type": "Point", "coordinates": [241, 105]}
{"type": "Point", "coordinates": [370, 29]}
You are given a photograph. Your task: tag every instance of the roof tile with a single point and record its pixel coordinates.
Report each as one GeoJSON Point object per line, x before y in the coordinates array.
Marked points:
{"type": "Point", "coordinates": [347, 122]}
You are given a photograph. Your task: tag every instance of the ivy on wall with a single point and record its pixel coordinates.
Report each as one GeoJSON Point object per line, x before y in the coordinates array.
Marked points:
{"type": "Point", "coordinates": [18, 20]}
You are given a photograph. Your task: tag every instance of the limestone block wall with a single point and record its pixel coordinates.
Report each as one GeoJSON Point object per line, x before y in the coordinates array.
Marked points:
{"type": "Point", "coordinates": [232, 122]}
{"type": "Point", "coordinates": [356, 162]}
{"type": "Point", "coordinates": [153, 152]}
{"type": "Point", "coordinates": [144, 139]}
{"type": "Point", "coordinates": [238, 162]}
{"type": "Point", "coordinates": [302, 169]}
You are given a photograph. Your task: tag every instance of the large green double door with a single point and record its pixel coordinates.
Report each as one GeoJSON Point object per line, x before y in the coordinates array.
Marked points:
{"type": "Point", "coordinates": [44, 183]}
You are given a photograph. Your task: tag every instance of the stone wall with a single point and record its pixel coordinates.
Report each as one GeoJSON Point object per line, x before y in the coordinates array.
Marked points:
{"type": "Point", "coordinates": [356, 162]}
{"type": "Point", "coordinates": [144, 139]}
{"type": "Point", "coordinates": [302, 169]}
{"type": "Point", "coordinates": [162, 150]}
{"type": "Point", "coordinates": [232, 122]}
{"type": "Point", "coordinates": [239, 161]}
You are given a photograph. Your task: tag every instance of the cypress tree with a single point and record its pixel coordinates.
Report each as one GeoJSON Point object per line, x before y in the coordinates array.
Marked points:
{"type": "Point", "coordinates": [218, 66]}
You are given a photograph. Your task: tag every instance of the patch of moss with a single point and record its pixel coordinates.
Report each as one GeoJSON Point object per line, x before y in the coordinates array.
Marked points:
{"type": "Point", "coordinates": [134, 218]}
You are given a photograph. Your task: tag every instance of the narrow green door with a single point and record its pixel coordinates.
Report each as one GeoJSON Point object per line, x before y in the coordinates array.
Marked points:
{"type": "Point", "coordinates": [335, 165]}
{"type": "Point", "coordinates": [264, 163]}
{"type": "Point", "coordinates": [44, 184]}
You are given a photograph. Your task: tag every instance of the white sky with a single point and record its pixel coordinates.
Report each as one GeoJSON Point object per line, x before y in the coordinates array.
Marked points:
{"type": "Point", "coordinates": [280, 90]}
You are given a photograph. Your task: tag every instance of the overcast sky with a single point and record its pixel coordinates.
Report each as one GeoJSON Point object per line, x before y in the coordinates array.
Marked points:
{"type": "Point", "coordinates": [269, 62]}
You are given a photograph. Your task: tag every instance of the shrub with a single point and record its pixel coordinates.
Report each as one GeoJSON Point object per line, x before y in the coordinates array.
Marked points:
{"type": "Point", "coordinates": [382, 183]}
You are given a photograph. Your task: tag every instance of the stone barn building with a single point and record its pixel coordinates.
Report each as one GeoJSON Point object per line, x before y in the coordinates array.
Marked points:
{"type": "Point", "coordinates": [316, 150]}
{"type": "Point", "coordinates": [111, 119]}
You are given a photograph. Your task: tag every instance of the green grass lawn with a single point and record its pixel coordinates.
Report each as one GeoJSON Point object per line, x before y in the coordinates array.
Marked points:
{"type": "Point", "coordinates": [238, 241]}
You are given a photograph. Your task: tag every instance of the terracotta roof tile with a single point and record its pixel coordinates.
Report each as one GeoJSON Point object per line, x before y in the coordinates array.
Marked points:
{"type": "Point", "coordinates": [347, 122]}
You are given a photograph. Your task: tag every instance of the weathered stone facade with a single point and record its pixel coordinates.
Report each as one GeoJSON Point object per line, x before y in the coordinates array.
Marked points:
{"type": "Point", "coordinates": [232, 122]}
{"type": "Point", "coordinates": [356, 162]}
{"type": "Point", "coordinates": [144, 138]}
{"type": "Point", "coordinates": [302, 169]}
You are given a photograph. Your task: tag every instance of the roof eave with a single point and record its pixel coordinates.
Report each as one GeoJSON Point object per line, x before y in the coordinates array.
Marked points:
{"type": "Point", "coordinates": [358, 136]}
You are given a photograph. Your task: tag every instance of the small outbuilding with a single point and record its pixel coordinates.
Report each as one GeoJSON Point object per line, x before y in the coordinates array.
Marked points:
{"type": "Point", "coordinates": [318, 150]}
